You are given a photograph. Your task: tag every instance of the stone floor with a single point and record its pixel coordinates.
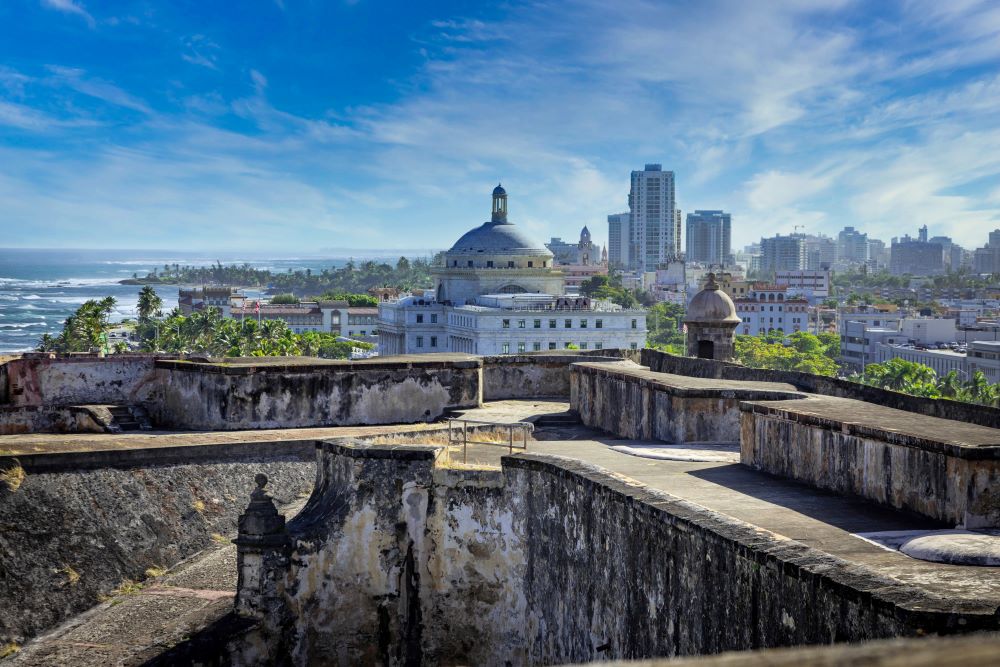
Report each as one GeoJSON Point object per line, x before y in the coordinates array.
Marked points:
{"type": "Point", "coordinates": [132, 628]}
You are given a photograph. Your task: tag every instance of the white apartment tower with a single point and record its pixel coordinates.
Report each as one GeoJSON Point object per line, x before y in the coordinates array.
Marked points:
{"type": "Point", "coordinates": [654, 217]}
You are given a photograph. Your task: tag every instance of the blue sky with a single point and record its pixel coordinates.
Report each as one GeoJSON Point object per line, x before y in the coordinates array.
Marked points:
{"type": "Point", "coordinates": [308, 125]}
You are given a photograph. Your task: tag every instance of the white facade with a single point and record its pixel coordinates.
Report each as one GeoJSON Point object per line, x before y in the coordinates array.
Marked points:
{"type": "Point", "coordinates": [498, 293]}
{"type": "Point", "coordinates": [619, 240]}
{"type": "Point", "coordinates": [985, 356]}
{"type": "Point", "coordinates": [942, 361]}
{"type": "Point", "coordinates": [814, 285]}
{"type": "Point", "coordinates": [770, 308]}
{"type": "Point", "coordinates": [508, 324]}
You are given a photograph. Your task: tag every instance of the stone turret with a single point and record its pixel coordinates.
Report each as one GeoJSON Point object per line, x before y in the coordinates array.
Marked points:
{"type": "Point", "coordinates": [261, 555]}
{"type": "Point", "coordinates": [711, 322]}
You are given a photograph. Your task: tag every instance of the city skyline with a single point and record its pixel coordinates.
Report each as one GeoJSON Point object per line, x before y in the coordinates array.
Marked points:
{"type": "Point", "coordinates": [284, 130]}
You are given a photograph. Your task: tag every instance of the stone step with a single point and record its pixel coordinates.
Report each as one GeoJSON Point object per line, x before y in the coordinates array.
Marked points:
{"type": "Point", "coordinates": [558, 419]}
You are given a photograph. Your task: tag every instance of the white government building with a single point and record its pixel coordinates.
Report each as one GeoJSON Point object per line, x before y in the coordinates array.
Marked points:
{"type": "Point", "coordinates": [498, 292]}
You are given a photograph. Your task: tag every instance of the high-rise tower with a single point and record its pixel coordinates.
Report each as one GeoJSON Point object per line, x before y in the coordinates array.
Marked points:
{"type": "Point", "coordinates": [655, 229]}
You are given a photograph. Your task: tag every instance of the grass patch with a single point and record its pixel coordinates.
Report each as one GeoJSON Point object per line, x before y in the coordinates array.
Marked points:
{"type": "Point", "coordinates": [12, 478]}
{"type": "Point", "coordinates": [220, 539]}
{"type": "Point", "coordinates": [198, 507]}
{"type": "Point", "coordinates": [128, 587]}
{"type": "Point", "coordinates": [155, 571]}
{"type": "Point", "coordinates": [9, 649]}
{"type": "Point", "coordinates": [72, 576]}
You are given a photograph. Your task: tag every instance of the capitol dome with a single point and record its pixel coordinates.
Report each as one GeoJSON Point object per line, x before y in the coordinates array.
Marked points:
{"type": "Point", "coordinates": [711, 306]}
{"type": "Point", "coordinates": [497, 238]}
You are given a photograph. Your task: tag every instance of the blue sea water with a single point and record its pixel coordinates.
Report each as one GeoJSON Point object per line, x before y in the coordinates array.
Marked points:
{"type": "Point", "coordinates": [39, 289]}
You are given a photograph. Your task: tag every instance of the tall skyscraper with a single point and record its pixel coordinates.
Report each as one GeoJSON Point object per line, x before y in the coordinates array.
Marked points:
{"type": "Point", "coordinates": [655, 219]}
{"type": "Point", "coordinates": [619, 240]}
{"type": "Point", "coordinates": [783, 253]}
{"type": "Point", "coordinates": [709, 235]}
{"type": "Point", "coordinates": [916, 256]}
{"type": "Point", "coordinates": [852, 246]}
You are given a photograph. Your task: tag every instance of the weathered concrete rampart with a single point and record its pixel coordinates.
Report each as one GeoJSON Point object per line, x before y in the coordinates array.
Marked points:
{"type": "Point", "coordinates": [77, 525]}
{"type": "Point", "coordinates": [826, 386]}
{"type": "Point", "coordinates": [538, 374]}
{"type": "Point", "coordinates": [301, 393]}
{"type": "Point", "coordinates": [633, 402]}
{"type": "Point", "coordinates": [943, 470]}
{"type": "Point", "coordinates": [398, 559]}
{"type": "Point", "coordinates": [78, 380]}
{"type": "Point", "coordinates": [54, 419]}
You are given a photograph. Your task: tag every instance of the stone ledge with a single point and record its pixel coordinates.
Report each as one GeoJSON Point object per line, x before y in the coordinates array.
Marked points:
{"type": "Point", "coordinates": [244, 366]}
{"type": "Point", "coordinates": [358, 449]}
{"type": "Point", "coordinates": [692, 387]}
{"type": "Point", "coordinates": [895, 427]}
{"type": "Point", "coordinates": [915, 606]}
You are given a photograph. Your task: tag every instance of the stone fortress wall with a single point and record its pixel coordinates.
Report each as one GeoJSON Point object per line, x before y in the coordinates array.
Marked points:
{"type": "Point", "coordinates": [546, 561]}
{"type": "Point", "coordinates": [560, 560]}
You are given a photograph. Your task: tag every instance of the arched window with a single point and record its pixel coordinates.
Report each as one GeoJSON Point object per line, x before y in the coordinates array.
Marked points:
{"type": "Point", "coordinates": [512, 289]}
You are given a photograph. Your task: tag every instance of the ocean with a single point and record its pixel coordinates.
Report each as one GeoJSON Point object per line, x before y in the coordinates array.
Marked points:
{"type": "Point", "coordinates": [39, 289]}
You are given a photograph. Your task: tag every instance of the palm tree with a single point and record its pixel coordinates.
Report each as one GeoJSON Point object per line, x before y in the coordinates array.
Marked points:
{"type": "Point", "coordinates": [150, 303]}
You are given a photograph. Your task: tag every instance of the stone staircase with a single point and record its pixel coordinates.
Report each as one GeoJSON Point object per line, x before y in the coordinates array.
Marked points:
{"type": "Point", "coordinates": [558, 419]}
{"type": "Point", "coordinates": [128, 418]}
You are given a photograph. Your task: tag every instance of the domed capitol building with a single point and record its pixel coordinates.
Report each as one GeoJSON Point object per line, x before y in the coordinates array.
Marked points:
{"type": "Point", "coordinates": [498, 292]}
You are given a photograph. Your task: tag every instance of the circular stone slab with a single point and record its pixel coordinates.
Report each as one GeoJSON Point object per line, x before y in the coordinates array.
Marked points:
{"type": "Point", "coordinates": [957, 547]}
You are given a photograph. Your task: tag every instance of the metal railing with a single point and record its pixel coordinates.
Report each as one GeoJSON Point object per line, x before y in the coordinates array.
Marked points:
{"type": "Point", "coordinates": [458, 434]}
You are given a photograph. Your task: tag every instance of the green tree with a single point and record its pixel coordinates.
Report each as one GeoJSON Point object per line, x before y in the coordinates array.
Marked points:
{"type": "Point", "coordinates": [150, 304]}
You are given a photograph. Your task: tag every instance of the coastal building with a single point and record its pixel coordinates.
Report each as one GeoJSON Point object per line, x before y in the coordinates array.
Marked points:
{"type": "Point", "coordinates": [767, 308]}
{"type": "Point", "coordinates": [498, 292]}
{"type": "Point", "coordinates": [709, 238]}
{"type": "Point", "coordinates": [227, 299]}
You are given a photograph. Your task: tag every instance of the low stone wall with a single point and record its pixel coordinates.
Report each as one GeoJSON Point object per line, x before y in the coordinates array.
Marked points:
{"type": "Point", "coordinates": [80, 524]}
{"type": "Point", "coordinates": [950, 474]}
{"type": "Point", "coordinates": [56, 419]}
{"type": "Point", "coordinates": [312, 392]}
{"type": "Point", "coordinates": [79, 379]}
{"type": "Point", "coordinates": [633, 402]}
{"type": "Point", "coordinates": [538, 374]}
{"type": "Point", "coordinates": [397, 559]}
{"type": "Point", "coordinates": [826, 386]}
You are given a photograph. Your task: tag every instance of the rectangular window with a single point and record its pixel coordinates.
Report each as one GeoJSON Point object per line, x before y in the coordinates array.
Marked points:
{"type": "Point", "coordinates": [530, 264]}
{"type": "Point", "coordinates": [420, 319]}
{"type": "Point", "coordinates": [470, 264]}
{"type": "Point", "coordinates": [434, 319]}
{"type": "Point", "coordinates": [434, 341]}
{"type": "Point", "coordinates": [506, 324]}
{"type": "Point", "coordinates": [506, 348]}
{"type": "Point", "coordinates": [520, 347]}
{"type": "Point", "coordinates": [510, 265]}
{"type": "Point", "coordinates": [538, 324]}
{"type": "Point", "coordinates": [420, 341]}
{"type": "Point", "coordinates": [536, 346]}
{"type": "Point", "coordinates": [635, 325]}
{"type": "Point", "coordinates": [583, 346]}
{"type": "Point", "coordinates": [566, 345]}
{"type": "Point", "coordinates": [632, 346]}
{"type": "Point", "coordinates": [598, 346]}
{"type": "Point", "coordinates": [552, 346]}
{"type": "Point", "coordinates": [552, 324]}
{"type": "Point", "coordinates": [569, 324]}
{"type": "Point", "coordinates": [489, 264]}
{"type": "Point", "coordinates": [599, 324]}
{"type": "Point", "coordinates": [583, 324]}
{"type": "Point", "coordinates": [520, 324]}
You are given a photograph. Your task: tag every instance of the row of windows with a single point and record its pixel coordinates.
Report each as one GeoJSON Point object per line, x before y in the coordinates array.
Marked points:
{"type": "Point", "coordinates": [420, 318]}
{"type": "Point", "coordinates": [536, 347]}
{"type": "Point", "coordinates": [567, 324]}
{"type": "Point", "coordinates": [420, 341]}
{"type": "Point", "coordinates": [490, 264]}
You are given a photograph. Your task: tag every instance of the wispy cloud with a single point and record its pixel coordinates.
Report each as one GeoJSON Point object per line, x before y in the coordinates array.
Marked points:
{"type": "Point", "coordinates": [201, 51]}
{"type": "Point", "coordinates": [70, 7]}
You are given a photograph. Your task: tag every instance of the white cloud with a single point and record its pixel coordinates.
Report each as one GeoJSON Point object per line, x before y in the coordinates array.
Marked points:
{"type": "Point", "coordinates": [70, 7]}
